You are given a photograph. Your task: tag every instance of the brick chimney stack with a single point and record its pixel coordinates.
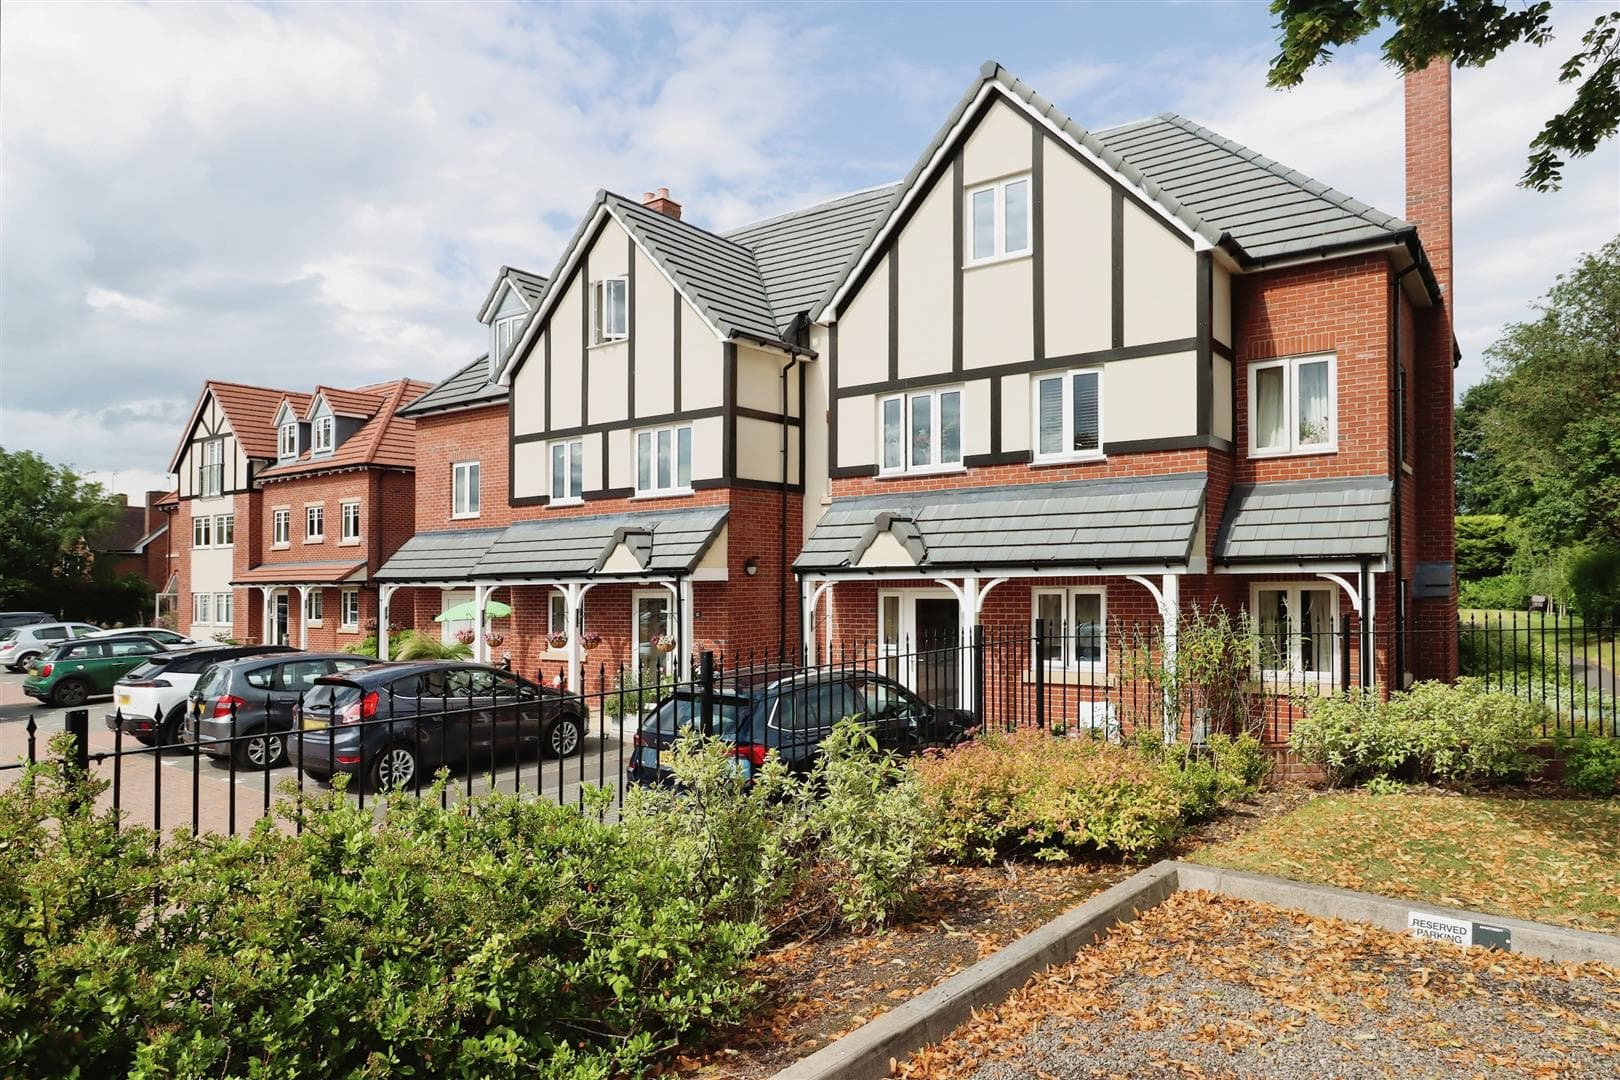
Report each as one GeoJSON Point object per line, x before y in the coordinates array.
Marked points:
{"type": "Point", "coordinates": [663, 204]}
{"type": "Point", "coordinates": [1428, 165]}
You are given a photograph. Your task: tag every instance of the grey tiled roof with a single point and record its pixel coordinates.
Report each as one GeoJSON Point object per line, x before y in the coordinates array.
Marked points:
{"type": "Point", "coordinates": [674, 541]}
{"type": "Point", "coordinates": [530, 285]}
{"type": "Point", "coordinates": [801, 254]}
{"type": "Point", "coordinates": [438, 556]}
{"type": "Point", "coordinates": [1266, 208]}
{"type": "Point", "coordinates": [468, 386]}
{"type": "Point", "coordinates": [1305, 521]}
{"type": "Point", "coordinates": [1082, 523]}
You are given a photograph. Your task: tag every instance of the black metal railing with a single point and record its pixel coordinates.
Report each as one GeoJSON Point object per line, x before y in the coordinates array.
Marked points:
{"type": "Point", "coordinates": [226, 771]}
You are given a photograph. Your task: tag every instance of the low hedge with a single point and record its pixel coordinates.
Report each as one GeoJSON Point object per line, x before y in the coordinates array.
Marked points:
{"type": "Point", "coordinates": [1435, 732]}
{"type": "Point", "coordinates": [1031, 794]}
{"type": "Point", "coordinates": [498, 937]}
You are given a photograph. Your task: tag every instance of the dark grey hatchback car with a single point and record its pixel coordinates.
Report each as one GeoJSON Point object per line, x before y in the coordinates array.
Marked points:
{"type": "Point", "coordinates": [394, 724]}
{"type": "Point", "coordinates": [260, 693]}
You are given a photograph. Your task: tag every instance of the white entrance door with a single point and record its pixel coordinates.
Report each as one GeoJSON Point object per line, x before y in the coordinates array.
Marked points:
{"type": "Point", "coordinates": [652, 616]}
{"type": "Point", "coordinates": [920, 642]}
{"type": "Point", "coordinates": [448, 599]}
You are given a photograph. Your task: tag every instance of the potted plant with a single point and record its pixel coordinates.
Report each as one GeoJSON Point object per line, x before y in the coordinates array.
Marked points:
{"type": "Point", "coordinates": [664, 643]}
{"type": "Point", "coordinates": [494, 641]}
{"type": "Point", "coordinates": [466, 637]}
{"type": "Point", "coordinates": [590, 639]}
{"type": "Point", "coordinates": [558, 640]}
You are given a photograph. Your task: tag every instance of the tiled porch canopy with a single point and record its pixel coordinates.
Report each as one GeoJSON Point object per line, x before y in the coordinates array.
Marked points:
{"type": "Point", "coordinates": [311, 573]}
{"type": "Point", "coordinates": [1305, 523]}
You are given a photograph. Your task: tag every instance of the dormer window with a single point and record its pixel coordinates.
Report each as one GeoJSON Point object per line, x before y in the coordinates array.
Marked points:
{"type": "Point", "coordinates": [289, 440]}
{"type": "Point", "coordinates": [610, 310]}
{"type": "Point", "coordinates": [323, 434]}
{"type": "Point", "coordinates": [506, 335]}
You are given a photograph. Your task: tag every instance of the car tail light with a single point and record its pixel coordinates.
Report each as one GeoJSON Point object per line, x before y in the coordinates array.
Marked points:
{"type": "Point", "coordinates": [225, 703]}
{"type": "Point", "coordinates": [754, 755]}
{"type": "Point", "coordinates": [348, 759]}
{"type": "Point", "coordinates": [364, 709]}
{"type": "Point", "coordinates": [144, 682]}
{"type": "Point", "coordinates": [45, 671]}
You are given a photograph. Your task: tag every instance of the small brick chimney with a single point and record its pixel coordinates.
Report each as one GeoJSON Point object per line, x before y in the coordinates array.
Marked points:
{"type": "Point", "coordinates": [661, 202]}
{"type": "Point", "coordinates": [1428, 165]}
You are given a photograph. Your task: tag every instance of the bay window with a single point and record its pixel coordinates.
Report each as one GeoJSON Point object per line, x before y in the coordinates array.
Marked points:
{"type": "Point", "coordinates": [1071, 625]}
{"type": "Point", "coordinates": [998, 215]}
{"type": "Point", "coordinates": [567, 471]}
{"type": "Point", "coordinates": [1068, 415]}
{"type": "Point", "coordinates": [1293, 406]}
{"type": "Point", "coordinates": [610, 310]}
{"type": "Point", "coordinates": [921, 431]}
{"type": "Point", "coordinates": [1296, 628]}
{"type": "Point", "coordinates": [664, 461]}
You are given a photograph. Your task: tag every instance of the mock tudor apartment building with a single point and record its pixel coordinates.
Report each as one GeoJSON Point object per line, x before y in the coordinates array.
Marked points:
{"type": "Point", "coordinates": [1054, 377]}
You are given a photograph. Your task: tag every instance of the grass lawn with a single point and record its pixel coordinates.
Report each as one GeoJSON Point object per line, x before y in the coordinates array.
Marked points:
{"type": "Point", "coordinates": [1550, 860]}
{"type": "Point", "coordinates": [1538, 633]}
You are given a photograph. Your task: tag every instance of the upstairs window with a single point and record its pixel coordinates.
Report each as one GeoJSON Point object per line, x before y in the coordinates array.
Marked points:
{"type": "Point", "coordinates": [324, 432]}
{"type": "Point", "coordinates": [567, 471]}
{"type": "Point", "coordinates": [281, 528]}
{"type": "Point", "coordinates": [921, 431]}
{"type": "Point", "coordinates": [506, 333]}
{"type": "Point", "coordinates": [610, 310]}
{"type": "Point", "coordinates": [211, 468]}
{"type": "Point", "coordinates": [664, 461]}
{"type": "Point", "coordinates": [289, 441]}
{"type": "Point", "coordinates": [1293, 406]}
{"type": "Point", "coordinates": [225, 530]}
{"type": "Point", "coordinates": [1068, 415]}
{"type": "Point", "coordinates": [998, 214]}
{"type": "Point", "coordinates": [202, 532]}
{"type": "Point", "coordinates": [351, 522]}
{"type": "Point", "coordinates": [314, 523]}
{"type": "Point", "coordinates": [464, 489]}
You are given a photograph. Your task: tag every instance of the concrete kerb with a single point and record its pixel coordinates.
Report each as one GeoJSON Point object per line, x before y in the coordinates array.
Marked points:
{"type": "Point", "coordinates": [866, 1053]}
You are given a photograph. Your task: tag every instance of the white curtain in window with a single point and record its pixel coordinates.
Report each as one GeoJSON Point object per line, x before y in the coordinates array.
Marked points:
{"type": "Point", "coordinates": [1316, 628]}
{"type": "Point", "coordinates": [1270, 429]}
{"type": "Point", "coordinates": [1313, 403]}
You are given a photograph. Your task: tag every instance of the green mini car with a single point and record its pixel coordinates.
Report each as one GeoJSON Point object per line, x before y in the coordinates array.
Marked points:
{"type": "Point", "coordinates": [78, 669]}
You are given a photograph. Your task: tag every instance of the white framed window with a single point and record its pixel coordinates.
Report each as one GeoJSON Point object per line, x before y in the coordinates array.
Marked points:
{"type": "Point", "coordinates": [1072, 624]}
{"type": "Point", "coordinates": [1294, 406]}
{"type": "Point", "coordinates": [464, 489]}
{"type": "Point", "coordinates": [998, 220]}
{"type": "Point", "coordinates": [1296, 628]}
{"type": "Point", "coordinates": [557, 613]}
{"type": "Point", "coordinates": [224, 530]}
{"type": "Point", "coordinates": [325, 430]}
{"type": "Point", "coordinates": [1068, 415]}
{"type": "Point", "coordinates": [610, 310]}
{"type": "Point", "coordinates": [652, 617]}
{"type": "Point", "coordinates": [314, 523]}
{"type": "Point", "coordinates": [664, 461]}
{"type": "Point", "coordinates": [506, 333]}
{"type": "Point", "coordinates": [211, 468]}
{"type": "Point", "coordinates": [349, 604]}
{"type": "Point", "coordinates": [280, 528]}
{"type": "Point", "coordinates": [223, 608]}
{"type": "Point", "coordinates": [289, 441]}
{"type": "Point", "coordinates": [920, 431]}
{"type": "Point", "coordinates": [312, 606]}
{"type": "Point", "coordinates": [202, 532]}
{"type": "Point", "coordinates": [202, 607]}
{"type": "Point", "coordinates": [568, 471]}
{"type": "Point", "coordinates": [349, 511]}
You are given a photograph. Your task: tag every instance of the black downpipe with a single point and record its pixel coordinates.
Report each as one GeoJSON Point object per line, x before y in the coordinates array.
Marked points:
{"type": "Point", "coordinates": [782, 524]}
{"type": "Point", "coordinates": [1398, 393]}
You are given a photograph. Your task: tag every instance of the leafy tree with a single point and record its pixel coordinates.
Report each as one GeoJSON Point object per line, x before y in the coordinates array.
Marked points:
{"type": "Point", "coordinates": [1484, 481]}
{"type": "Point", "coordinates": [48, 516]}
{"type": "Point", "coordinates": [1483, 546]}
{"type": "Point", "coordinates": [1471, 33]}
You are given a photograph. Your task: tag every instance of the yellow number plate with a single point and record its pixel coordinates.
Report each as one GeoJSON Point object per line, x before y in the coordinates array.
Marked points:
{"type": "Point", "coordinates": [311, 724]}
{"type": "Point", "coordinates": [123, 699]}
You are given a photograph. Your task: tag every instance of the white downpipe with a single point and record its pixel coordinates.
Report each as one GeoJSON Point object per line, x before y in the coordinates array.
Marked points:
{"type": "Point", "coordinates": [303, 616]}
{"type": "Point", "coordinates": [481, 594]}
{"type": "Point", "coordinates": [574, 598]}
{"type": "Point", "coordinates": [687, 631]}
{"type": "Point", "coordinates": [267, 626]}
{"type": "Point", "coordinates": [1170, 612]}
{"type": "Point", "coordinates": [385, 593]}
{"type": "Point", "coordinates": [968, 604]}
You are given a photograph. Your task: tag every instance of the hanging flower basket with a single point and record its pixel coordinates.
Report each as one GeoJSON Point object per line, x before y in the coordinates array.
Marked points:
{"type": "Point", "coordinates": [590, 639]}
{"type": "Point", "coordinates": [494, 641]}
{"type": "Point", "coordinates": [664, 643]}
{"type": "Point", "coordinates": [466, 637]}
{"type": "Point", "coordinates": [558, 641]}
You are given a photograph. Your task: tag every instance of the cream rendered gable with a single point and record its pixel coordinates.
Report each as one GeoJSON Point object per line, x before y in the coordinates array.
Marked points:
{"type": "Point", "coordinates": [885, 551]}
{"type": "Point", "coordinates": [715, 563]}
{"type": "Point", "coordinates": [621, 561]}
{"type": "Point", "coordinates": [925, 256]}
{"type": "Point", "coordinates": [1078, 286]}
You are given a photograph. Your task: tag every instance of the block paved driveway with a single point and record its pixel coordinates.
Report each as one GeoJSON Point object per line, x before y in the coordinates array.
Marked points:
{"type": "Point", "coordinates": [166, 787]}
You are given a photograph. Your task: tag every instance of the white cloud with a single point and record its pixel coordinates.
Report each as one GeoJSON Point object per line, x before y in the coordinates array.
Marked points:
{"type": "Point", "coordinates": [118, 303]}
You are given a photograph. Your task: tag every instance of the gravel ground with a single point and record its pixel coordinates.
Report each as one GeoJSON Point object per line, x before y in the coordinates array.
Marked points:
{"type": "Point", "coordinates": [1207, 986]}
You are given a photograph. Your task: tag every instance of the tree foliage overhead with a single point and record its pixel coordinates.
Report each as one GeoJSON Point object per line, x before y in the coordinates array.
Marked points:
{"type": "Point", "coordinates": [1471, 33]}
{"type": "Point", "coordinates": [48, 517]}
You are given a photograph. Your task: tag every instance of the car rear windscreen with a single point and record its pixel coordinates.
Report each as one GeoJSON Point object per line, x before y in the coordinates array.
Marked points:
{"type": "Point", "coordinates": [144, 670]}
{"type": "Point", "coordinates": [213, 682]}
{"type": "Point", "coordinates": [7, 635]}
{"type": "Point", "coordinates": [324, 697]}
{"type": "Point", "coordinates": [682, 711]}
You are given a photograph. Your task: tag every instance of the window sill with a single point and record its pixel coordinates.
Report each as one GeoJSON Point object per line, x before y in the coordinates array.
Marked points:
{"type": "Point", "coordinates": [314, 624]}
{"type": "Point", "coordinates": [1071, 459]}
{"type": "Point", "coordinates": [346, 629]}
{"type": "Point", "coordinates": [1074, 677]}
{"type": "Point", "coordinates": [314, 539]}
{"type": "Point", "coordinates": [677, 493]}
{"type": "Point", "coordinates": [465, 517]}
{"type": "Point", "coordinates": [573, 500]}
{"type": "Point", "coordinates": [1315, 451]}
{"type": "Point", "coordinates": [280, 547]}
{"type": "Point", "coordinates": [1406, 467]}
{"type": "Point", "coordinates": [997, 260]}
{"type": "Point", "coordinates": [1283, 683]}
{"type": "Point", "coordinates": [911, 474]}
{"type": "Point", "coordinates": [349, 543]}
{"type": "Point", "coordinates": [610, 342]}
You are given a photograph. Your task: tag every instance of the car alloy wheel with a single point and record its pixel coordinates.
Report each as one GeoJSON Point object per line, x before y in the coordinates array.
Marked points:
{"type": "Point", "coordinates": [395, 768]}
{"type": "Point", "coordinates": [70, 692]}
{"type": "Point", "coordinates": [565, 736]}
{"type": "Point", "coordinates": [25, 661]}
{"type": "Point", "coordinates": [264, 751]}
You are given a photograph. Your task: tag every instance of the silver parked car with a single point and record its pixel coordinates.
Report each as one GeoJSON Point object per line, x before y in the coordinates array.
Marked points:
{"type": "Point", "coordinates": [20, 646]}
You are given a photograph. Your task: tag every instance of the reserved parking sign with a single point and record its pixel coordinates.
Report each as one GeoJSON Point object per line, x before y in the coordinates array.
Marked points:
{"type": "Point", "coordinates": [1459, 932]}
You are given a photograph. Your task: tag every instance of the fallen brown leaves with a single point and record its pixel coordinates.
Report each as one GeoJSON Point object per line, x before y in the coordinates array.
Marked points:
{"type": "Point", "coordinates": [1208, 985]}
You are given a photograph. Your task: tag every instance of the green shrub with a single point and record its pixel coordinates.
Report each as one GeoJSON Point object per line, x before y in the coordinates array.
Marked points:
{"type": "Point", "coordinates": [1242, 764]}
{"type": "Point", "coordinates": [498, 937]}
{"type": "Point", "coordinates": [1029, 794]}
{"type": "Point", "coordinates": [1434, 732]}
{"type": "Point", "coordinates": [1501, 592]}
{"type": "Point", "coordinates": [414, 645]}
{"type": "Point", "coordinates": [634, 691]}
{"type": "Point", "coordinates": [1592, 765]}
{"type": "Point", "coordinates": [365, 646]}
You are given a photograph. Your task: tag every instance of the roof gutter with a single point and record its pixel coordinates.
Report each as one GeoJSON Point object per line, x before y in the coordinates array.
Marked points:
{"type": "Point", "coordinates": [797, 352]}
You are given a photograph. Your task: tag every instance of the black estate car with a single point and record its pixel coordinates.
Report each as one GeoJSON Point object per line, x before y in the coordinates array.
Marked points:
{"type": "Point", "coordinates": [392, 723]}
{"type": "Point", "coordinates": [792, 714]}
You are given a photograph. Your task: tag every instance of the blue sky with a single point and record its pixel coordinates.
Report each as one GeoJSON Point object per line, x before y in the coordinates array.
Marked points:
{"type": "Point", "coordinates": [293, 194]}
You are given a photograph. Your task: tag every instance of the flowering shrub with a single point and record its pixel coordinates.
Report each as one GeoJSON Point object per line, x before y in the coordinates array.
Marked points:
{"type": "Point", "coordinates": [558, 640]}
{"type": "Point", "coordinates": [590, 639]}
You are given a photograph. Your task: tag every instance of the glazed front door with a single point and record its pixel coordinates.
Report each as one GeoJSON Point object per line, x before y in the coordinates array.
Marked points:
{"type": "Point", "coordinates": [283, 604]}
